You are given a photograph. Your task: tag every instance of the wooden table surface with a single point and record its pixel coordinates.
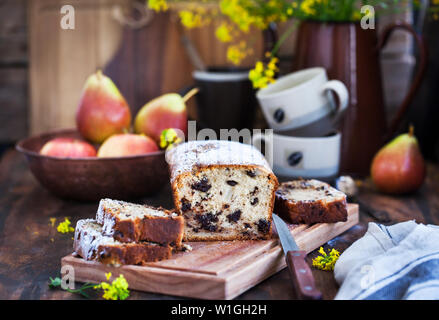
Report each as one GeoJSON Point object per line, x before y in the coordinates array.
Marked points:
{"type": "Point", "coordinates": [31, 249]}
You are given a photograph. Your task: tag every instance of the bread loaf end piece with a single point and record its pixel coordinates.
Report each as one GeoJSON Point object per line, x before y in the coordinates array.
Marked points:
{"type": "Point", "coordinates": [310, 201]}
{"type": "Point", "coordinates": [91, 244]}
{"type": "Point", "coordinates": [129, 222]}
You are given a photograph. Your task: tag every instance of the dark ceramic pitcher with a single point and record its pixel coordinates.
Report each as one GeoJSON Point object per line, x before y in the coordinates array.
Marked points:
{"type": "Point", "coordinates": [351, 54]}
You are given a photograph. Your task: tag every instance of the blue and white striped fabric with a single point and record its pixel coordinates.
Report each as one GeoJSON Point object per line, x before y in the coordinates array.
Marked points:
{"type": "Point", "coordinates": [394, 262]}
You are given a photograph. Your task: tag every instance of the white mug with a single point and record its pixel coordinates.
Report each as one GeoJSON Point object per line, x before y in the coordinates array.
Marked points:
{"type": "Point", "coordinates": [301, 98]}
{"type": "Point", "coordinates": [294, 157]}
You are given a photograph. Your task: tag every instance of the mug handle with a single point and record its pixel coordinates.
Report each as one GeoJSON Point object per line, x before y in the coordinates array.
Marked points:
{"type": "Point", "coordinates": [257, 140]}
{"type": "Point", "coordinates": [342, 94]}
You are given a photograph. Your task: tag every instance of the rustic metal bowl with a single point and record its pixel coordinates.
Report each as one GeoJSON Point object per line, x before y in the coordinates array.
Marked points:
{"type": "Point", "coordinates": [89, 179]}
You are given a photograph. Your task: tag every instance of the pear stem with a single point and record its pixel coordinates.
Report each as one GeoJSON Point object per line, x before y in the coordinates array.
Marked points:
{"type": "Point", "coordinates": [99, 74]}
{"type": "Point", "coordinates": [411, 130]}
{"type": "Point", "coordinates": [190, 94]}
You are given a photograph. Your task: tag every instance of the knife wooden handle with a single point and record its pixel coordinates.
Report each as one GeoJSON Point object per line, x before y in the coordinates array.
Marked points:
{"type": "Point", "coordinates": [302, 277]}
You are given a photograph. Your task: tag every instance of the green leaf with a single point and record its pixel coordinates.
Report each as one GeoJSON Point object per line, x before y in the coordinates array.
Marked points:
{"type": "Point", "coordinates": [53, 283]}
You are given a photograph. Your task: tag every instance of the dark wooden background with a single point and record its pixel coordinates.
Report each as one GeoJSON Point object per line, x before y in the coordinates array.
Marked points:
{"type": "Point", "coordinates": [13, 71]}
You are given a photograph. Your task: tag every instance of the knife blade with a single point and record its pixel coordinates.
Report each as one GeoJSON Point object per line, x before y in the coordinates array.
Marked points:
{"type": "Point", "coordinates": [300, 272]}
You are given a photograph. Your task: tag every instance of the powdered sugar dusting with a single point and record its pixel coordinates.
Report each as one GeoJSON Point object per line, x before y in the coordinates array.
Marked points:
{"type": "Point", "coordinates": [187, 156]}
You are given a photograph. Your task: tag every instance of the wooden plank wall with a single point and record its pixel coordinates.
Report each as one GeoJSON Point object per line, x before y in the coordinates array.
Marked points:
{"type": "Point", "coordinates": [143, 62]}
{"type": "Point", "coordinates": [13, 70]}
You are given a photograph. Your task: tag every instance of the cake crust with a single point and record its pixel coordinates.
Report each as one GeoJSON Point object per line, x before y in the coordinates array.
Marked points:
{"type": "Point", "coordinates": [164, 228]}
{"type": "Point", "coordinates": [91, 244]}
{"type": "Point", "coordinates": [310, 201]}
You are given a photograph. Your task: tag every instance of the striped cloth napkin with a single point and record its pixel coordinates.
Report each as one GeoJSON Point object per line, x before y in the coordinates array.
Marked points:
{"type": "Point", "coordinates": [392, 263]}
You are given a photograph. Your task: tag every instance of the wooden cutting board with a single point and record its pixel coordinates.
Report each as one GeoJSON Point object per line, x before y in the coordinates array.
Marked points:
{"type": "Point", "coordinates": [214, 270]}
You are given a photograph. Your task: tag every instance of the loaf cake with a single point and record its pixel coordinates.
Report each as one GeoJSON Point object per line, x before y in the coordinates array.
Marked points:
{"type": "Point", "coordinates": [310, 201]}
{"type": "Point", "coordinates": [224, 190]}
{"type": "Point", "coordinates": [128, 222]}
{"type": "Point", "coordinates": [91, 244]}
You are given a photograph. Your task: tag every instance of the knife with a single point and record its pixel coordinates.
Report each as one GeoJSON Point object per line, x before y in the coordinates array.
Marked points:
{"type": "Point", "coordinates": [300, 272]}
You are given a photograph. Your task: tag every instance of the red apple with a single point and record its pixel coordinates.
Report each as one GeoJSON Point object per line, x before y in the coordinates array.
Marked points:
{"type": "Point", "coordinates": [68, 148]}
{"type": "Point", "coordinates": [102, 110]}
{"type": "Point", "coordinates": [127, 144]}
{"type": "Point", "coordinates": [165, 112]}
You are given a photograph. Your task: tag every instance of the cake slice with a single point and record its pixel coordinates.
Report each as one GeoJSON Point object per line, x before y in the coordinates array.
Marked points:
{"type": "Point", "coordinates": [91, 244]}
{"type": "Point", "coordinates": [224, 190]}
{"type": "Point", "coordinates": [310, 201]}
{"type": "Point", "coordinates": [128, 222]}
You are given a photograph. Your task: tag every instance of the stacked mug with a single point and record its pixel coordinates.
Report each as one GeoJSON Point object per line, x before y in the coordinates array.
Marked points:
{"type": "Point", "coordinates": [303, 109]}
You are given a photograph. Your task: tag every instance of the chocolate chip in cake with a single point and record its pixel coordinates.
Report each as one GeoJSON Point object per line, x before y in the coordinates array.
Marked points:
{"type": "Point", "coordinates": [235, 216]}
{"type": "Point", "coordinates": [104, 254]}
{"type": "Point", "coordinates": [247, 225]}
{"type": "Point", "coordinates": [232, 183]}
{"type": "Point", "coordinates": [185, 205]}
{"type": "Point", "coordinates": [206, 221]}
{"type": "Point", "coordinates": [202, 185]}
{"type": "Point", "coordinates": [226, 206]}
{"type": "Point", "coordinates": [255, 190]}
{"type": "Point", "coordinates": [264, 226]}
{"type": "Point", "coordinates": [254, 201]}
{"type": "Point", "coordinates": [251, 173]}
{"type": "Point", "coordinates": [118, 234]}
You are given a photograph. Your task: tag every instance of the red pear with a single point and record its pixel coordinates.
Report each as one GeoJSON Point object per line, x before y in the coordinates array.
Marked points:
{"type": "Point", "coordinates": [165, 112]}
{"type": "Point", "coordinates": [102, 109]}
{"type": "Point", "coordinates": [399, 168]}
{"type": "Point", "coordinates": [68, 148]}
{"type": "Point", "coordinates": [127, 144]}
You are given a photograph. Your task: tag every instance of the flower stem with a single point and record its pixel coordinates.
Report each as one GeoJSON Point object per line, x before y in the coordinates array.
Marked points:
{"type": "Point", "coordinates": [284, 36]}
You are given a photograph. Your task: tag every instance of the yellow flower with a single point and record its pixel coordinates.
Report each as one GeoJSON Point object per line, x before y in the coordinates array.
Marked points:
{"type": "Point", "coordinates": [238, 14]}
{"type": "Point", "coordinates": [307, 7]}
{"type": "Point", "coordinates": [118, 289]}
{"type": "Point", "coordinates": [356, 15]}
{"type": "Point", "coordinates": [52, 221]}
{"type": "Point", "coordinates": [236, 53]}
{"type": "Point", "coordinates": [158, 5]}
{"type": "Point", "coordinates": [223, 32]}
{"type": "Point", "coordinates": [64, 227]}
{"type": "Point", "coordinates": [169, 138]}
{"type": "Point", "coordinates": [194, 18]}
{"type": "Point", "coordinates": [262, 75]}
{"type": "Point", "coordinates": [326, 261]}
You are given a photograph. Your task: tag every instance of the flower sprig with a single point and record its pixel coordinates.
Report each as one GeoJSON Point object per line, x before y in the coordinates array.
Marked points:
{"type": "Point", "coordinates": [169, 138]}
{"type": "Point", "coordinates": [326, 261]}
{"type": "Point", "coordinates": [238, 52]}
{"type": "Point", "coordinates": [64, 227]}
{"type": "Point", "coordinates": [263, 74]}
{"type": "Point", "coordinates": [117, 290]}
{"type": "Point", "coordinates": [56, 283]}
